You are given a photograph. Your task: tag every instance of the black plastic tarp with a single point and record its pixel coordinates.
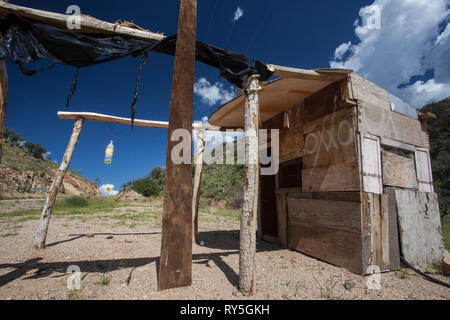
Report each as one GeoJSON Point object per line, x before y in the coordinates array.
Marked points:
{"type": "Point", "coordinates": [25, 41]}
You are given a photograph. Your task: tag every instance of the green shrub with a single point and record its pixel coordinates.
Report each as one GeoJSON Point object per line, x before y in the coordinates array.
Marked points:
{"type": "Point", "coordinates": [76, 201]}
{"type": "Point", "coordinates": [146, 187]}
{"type": "Point", "coordinates": [2, 197]}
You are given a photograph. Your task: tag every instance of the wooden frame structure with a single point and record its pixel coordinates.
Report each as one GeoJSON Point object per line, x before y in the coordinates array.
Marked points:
{"type": "Point", "coordinates": [358, 103]}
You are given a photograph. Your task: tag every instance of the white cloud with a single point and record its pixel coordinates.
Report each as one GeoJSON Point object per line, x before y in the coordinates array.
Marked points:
{"type": "Point", "coordinates": [408, 44]}
{"type": "Point", "coordinates": [107, 190]}
{"type": "Point", "coordinates": [238, 13]}
{"type": "Point", "coordinates": [212, 94]}
{"type": "Point", "coordinates": [47, 154]}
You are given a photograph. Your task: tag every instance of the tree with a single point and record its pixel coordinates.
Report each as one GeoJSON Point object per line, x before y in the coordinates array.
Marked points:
{"type": "Point", "coordinates": [35, 149]}
{"type": "Point", "coordinates": [12, 136]}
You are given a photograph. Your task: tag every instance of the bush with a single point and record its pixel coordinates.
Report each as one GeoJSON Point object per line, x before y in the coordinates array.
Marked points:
{"type": "Point", "coordinates": [35, 149]}
{"type": "Point", "coordinates": [146, 187]}
{"type": "Point", "coordinates": [77, 201]}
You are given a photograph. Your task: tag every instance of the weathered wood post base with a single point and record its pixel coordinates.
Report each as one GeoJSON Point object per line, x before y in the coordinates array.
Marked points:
{"type": "Point", "coordinates": [198, 158]}
{"type": "Point", "coordinates": [251, 189]}
{"type": "Point", "coordinates": [41, 234]}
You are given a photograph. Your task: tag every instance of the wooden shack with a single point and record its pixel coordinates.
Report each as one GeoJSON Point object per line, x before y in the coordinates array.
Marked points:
{"type": "Point", "coordinates": [354, 186]}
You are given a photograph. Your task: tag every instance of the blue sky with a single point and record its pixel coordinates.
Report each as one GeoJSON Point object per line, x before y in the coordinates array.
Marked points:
{"type": "Point", "coordinates": [305, 34]}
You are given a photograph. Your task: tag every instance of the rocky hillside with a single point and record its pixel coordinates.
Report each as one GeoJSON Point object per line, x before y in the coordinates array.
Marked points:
{"type": "Point", "coordinates": [20, 172]}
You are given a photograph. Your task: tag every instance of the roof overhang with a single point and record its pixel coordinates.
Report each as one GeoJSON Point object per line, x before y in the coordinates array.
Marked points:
{"type": "Point", "coordinates": [278, 95]}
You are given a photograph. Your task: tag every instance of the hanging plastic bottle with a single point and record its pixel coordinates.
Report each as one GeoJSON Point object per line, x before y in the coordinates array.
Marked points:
{"type": "Point", "coordinates": [109, 153]}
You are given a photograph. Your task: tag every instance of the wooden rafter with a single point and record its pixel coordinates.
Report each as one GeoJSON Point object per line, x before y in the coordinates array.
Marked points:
{"type": "Point", "coordinates": [88, 24]}
{"type": "Point", "coordinates": [137, 122]}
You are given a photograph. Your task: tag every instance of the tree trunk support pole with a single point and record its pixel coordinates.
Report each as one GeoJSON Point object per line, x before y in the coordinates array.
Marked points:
{"type": "Point", "coordinates": [41, 234]}
{"type": "Point", "coordinates": [251, 189]}
{"type": "Point", "coordinates": [175, 267]}
{"type": "Point", "coordinates": [197, 181]}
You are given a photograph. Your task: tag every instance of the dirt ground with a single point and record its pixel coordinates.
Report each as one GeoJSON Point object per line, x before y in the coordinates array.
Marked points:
{"type": "Point", "coordinates": [118, 255]}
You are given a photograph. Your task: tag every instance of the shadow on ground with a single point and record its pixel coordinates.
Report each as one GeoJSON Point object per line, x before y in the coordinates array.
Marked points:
{"type": "Point", "coordinates": [228, 241]}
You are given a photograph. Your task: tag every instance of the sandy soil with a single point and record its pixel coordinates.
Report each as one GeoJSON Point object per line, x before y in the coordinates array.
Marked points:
{"type": "Point", "coordinates": [120, 260]}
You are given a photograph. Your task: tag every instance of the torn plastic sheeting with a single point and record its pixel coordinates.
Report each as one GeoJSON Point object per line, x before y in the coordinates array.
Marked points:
{"type": "Point", "coordinates": [26, 41]}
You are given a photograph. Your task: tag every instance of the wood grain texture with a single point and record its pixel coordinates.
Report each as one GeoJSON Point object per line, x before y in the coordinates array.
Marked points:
{"type": "Point", "coordinates": [371, 163]}
{"type": "Point", "coordinates": [340, 177]}
{"type": "Point", "coordinates": [369, 93]}
{"type": "Point", "coordinates": [322, 103]}
{"type": "Point", "coordinates": [398, 170]}
{"type": "Point", "coordinates": [331, 196]}
{"type": "Point", "coordinates": [282, 218]}
{"type": "Point", "coordinates": [392, 125]}
{"type": "Point", "coordinates": [291, 144]}
{"type": "Point", "coordinates": [41, 233]}
{"type": "Point", "coordinates": [175, 268]}
{"type": "Point", "coordinates": [88, 24]}
{"type": "Point", "coordinates": [330, 140]}
{"type": "Point", "coordinates": [420, 227]}
{"type": "Point", "coordinates": [338, 215]}
{"type": "Point", "coordinates": [424, 172]}
{"type": "Point", "coordinates": [137, 122]}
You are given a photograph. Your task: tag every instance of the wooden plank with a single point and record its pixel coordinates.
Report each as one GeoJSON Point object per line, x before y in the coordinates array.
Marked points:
{"type": "Point", "coordinates": [420, 227]}
{"type": "Point", "coordinates": [398, 170]}
{"type": "Point", "coordinates": [341, 248]}
{"type": "Point", "coordinates": [247, 245]}
{"type": "Point", "coordinates": [340, 177]}
{"type": "Point", "coordinates": [3, 101]}
{"type": "Point", "coordinates": [88, 24]}
{"type": "Point", "coordinates": [394, 241]}
{"type": "Point", "coordinates": [371, 164]}
{"type": "Point", "coordinates": [336, 215]}
{"type": "Point", "coordinates": [391, 125]}
{"type": "Point", "coordinates": [291, 144]}
{"type": "Point", "coordinates": [369, 93]}
{"type": "Point", "coordinates": [330, 140]}
{"type": "Point", "coordinates": [397, 144]}
{"type": "Point", "coordinates": [324, 102]}
{"type": "Point", "coordinates": [331, 196]}
{"type": "Point", "coordinates": [137, 122]}
{"type": "Point", "coordinates": [41, 234]}
{"type": "Point", "coordinates": [282, 218]}
{"type": "Point", "coordinates": [175, 268]}
{"type": "Point", "coordinates": [424, 171]}
{"type": "Point", "coordinates": [318, 75]}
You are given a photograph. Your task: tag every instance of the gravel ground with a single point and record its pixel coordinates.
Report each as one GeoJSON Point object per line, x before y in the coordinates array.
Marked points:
{"type": "Point", "coordinates": [119, 261]}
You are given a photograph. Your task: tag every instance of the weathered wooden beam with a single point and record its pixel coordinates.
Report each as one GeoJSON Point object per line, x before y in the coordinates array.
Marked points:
{"type": "Point", "coordinates": [251, 189]}
{"type": "Point", "coordinates": [175, 268]}
{"type": "Point", "coordinates": [88, 24]}
{"type": "Point", "coordinates": [201, 145]}
{"type": "Point", "coordinates": [318, 75]}
{"type": "Point", "coordinates": [41, 234]}
{"type": "Point", "coordinates": [137, 122]}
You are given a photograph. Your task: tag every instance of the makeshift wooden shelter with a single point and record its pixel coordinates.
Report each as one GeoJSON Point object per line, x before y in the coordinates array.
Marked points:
{"type": "Point", "coordinates": [352, 168]}
{"type": "Point", "coordinates": [354, 186]}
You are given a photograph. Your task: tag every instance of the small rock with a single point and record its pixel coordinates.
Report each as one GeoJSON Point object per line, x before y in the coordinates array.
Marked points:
{"type": "Point", "coordinates": [110, 237]}
{"type": "Point", "coordinates": [46, 293]}
{"type": "Point", "coordinates": [267, 296]}
{"type": "Point", "coordinates": [284, 296]}
{"type": "Point", "coordinates": [235, 292]}
{"type": "Point", "coordinates": [90, 235]}
{"type": "Point", "coordinates": [445, 265]}
{"type": "Point", "coordinates": [8, 299]}
{"type": "Point", "coordinates": [349, 285]}
{"type": "Point", "coordinates": [202, 243]}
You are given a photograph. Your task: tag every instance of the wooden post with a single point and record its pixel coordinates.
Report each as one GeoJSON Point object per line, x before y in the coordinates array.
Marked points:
{"type": "Point", "coordinates": [197, 181]}
{"type": "Point", "coordinates": [251, 189]}
{"type": "Point", "coordinates": [41, 234]}
{"type": "Point", "coordinates": [175, 268]}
